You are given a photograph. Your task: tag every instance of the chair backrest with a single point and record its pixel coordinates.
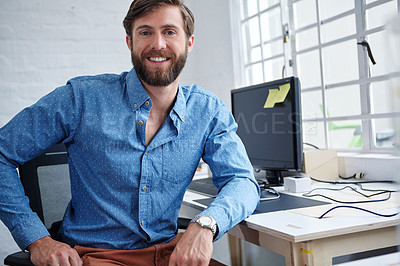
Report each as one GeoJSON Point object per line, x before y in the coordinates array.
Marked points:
{"type": "Point", "coordinates": [47, 184]}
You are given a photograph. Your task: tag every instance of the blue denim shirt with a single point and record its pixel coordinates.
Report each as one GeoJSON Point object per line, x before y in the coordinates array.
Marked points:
{"type": "Point", "coordinates": [125, 195]}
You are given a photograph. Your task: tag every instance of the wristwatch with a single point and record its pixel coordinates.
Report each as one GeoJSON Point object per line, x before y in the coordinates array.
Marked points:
{"type": "Point", "coordinates": [206, 222]}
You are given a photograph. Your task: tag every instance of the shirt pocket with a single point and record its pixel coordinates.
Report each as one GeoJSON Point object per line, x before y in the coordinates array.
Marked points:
{"type": "Point", "coordinates": [180, 160]}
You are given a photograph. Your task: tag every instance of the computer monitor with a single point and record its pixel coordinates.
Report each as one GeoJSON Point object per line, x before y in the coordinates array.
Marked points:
{"type": "Point", "coordinates": [269, 124]}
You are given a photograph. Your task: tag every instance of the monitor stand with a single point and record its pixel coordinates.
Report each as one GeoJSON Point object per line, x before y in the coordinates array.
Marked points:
{"type": "Point", "coordinates": [274, 177]}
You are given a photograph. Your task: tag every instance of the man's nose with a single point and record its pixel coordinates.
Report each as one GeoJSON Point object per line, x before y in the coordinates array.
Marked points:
{"type": "Point", "coordinates": [159, 42]}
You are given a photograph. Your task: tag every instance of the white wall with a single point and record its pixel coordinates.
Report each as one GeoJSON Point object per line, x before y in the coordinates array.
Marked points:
{"type": "Point", "coordinates": [210, 64]}
{"type": "Point", "coordinates": [43, 43]}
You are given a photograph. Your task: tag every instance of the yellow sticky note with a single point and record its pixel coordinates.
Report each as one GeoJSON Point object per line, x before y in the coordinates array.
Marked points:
{"type": "Point", "coordinates": [277, 95]}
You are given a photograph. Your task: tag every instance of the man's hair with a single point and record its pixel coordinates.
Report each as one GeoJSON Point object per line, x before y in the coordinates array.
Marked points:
{"type": "Point", "coordinates": [140, 8]}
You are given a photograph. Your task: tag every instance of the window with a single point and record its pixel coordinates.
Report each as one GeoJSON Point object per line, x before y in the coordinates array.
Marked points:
{"type": "Point", "coordinates": [264, 54]}
{"type": "Point", "coordinates": [347, 100]}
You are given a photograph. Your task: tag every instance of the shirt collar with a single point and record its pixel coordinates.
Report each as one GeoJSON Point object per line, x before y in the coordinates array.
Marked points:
{"type": "Point", "coordinates": [180, 104]}
{"type": "Point", "coordinates": [138, 96]}
{"type": "Point", "coordinates": [136, 93]}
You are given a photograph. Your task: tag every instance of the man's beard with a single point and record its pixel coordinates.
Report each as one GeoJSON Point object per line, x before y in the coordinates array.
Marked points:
{"type": "Point", "coordinates": [159, 77]}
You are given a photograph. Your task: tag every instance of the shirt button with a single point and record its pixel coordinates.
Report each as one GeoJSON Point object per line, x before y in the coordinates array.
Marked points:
{"type": "Point", "coordinates": [147, 103]}
{"type": "Point", "coordinates": [146, 153]}
{"type": "Point", "coordinates": [142, 223]}
{"type": "Point", "coordinates": [135, 105]}
{"type": "Point", "coordinates": [140, 122]}
{"type": "Point", "coordinates": [144, 188]}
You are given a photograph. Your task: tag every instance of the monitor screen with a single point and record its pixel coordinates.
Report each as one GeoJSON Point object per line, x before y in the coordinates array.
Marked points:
{"type": "Point", "coordinates": [269, 124]}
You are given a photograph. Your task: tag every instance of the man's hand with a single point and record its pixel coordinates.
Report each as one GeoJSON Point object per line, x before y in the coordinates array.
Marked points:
{"type": "Point", "coordinates": [47, 251]}
{"type": "Point", "coordinates": [194, 248]}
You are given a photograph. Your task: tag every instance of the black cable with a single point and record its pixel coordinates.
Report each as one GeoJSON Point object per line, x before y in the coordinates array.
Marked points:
{"type": "Point", "coordinates": [358, 208]}
{"type": "Point", "coordinates": [352, 182]}
{"type": "Point", "coordinates": [359, 183]}
{"type": "Point", "coordinates": [347, 177]}
{"type": "Point", "coordinates": [355, 176]}
{"type": "Point", "coordinates": [350, 202]}
{"type": "Point", "coordinates": [375, 190]}
{"type": "Point", "coordinates": [379, 192]}
{"type": "Point", "coordinates": [265, 187]}
{"type": "Point", "coordinates": [272, 191]}
{"type": "Point", "coordinates": [311, 145]}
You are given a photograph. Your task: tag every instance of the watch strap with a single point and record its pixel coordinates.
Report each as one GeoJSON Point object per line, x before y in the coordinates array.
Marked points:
{"type": "Point", "coordinates": [212, 226]}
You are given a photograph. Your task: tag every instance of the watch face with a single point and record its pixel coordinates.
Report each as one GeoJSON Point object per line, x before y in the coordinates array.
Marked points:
{"type": "Point", "coordinates": [205, 220]}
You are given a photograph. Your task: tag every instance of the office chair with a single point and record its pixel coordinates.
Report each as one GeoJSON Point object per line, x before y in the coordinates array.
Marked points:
{"type": "Point", "coordinates": [46, 183]}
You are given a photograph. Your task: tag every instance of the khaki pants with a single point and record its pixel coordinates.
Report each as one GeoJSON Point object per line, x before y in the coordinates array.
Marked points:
{"type": "Point", "coordinates": [157, 255]}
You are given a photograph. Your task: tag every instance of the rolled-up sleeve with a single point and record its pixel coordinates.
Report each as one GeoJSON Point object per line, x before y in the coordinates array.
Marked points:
{"type": "Point", "coordinates": [32, 131]}
{"type": "Point", "coordinates": [225, 153]}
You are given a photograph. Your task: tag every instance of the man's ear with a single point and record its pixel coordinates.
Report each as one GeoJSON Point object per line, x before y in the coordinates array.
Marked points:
{"type": "Point", "coordinates": [190, 43]}
{"type": "Point", "coordinates": [128, 42]}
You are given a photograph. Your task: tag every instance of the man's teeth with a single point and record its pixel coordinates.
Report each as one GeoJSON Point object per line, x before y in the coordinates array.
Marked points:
{"type": "Point", "coordinates": [158, 59]}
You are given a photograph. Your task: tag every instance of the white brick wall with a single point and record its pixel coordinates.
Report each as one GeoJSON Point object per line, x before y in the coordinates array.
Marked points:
{"type": "Point", "coordinates": [43, 43]}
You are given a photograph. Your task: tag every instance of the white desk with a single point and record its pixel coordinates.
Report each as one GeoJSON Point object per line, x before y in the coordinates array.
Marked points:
{"type": "Point", "coordinates": [305, 240]}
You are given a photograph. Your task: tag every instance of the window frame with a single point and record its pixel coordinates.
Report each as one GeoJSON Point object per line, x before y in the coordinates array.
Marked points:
{"type": "Point", "coordinates": [290, 54]}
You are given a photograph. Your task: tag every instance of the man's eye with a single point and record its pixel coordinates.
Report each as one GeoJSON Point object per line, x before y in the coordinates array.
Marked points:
{"type": "Point", "coordinates": [145, 33]}
{"type": "Point", "coordinates": [169, 32]}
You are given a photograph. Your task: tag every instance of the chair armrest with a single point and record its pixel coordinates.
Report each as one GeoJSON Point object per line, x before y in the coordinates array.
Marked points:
{"type": "Point", "coordinates": [183, 223]}
{"type": "Point", "coordinates": [21, 258]}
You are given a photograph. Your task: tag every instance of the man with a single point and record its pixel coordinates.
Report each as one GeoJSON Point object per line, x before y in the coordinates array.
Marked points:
{"type": "Point", "coordinates": [134, 141]}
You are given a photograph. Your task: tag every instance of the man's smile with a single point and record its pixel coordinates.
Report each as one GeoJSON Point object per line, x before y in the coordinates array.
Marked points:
{"type": "Point", "coordinates": [158, 59]}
